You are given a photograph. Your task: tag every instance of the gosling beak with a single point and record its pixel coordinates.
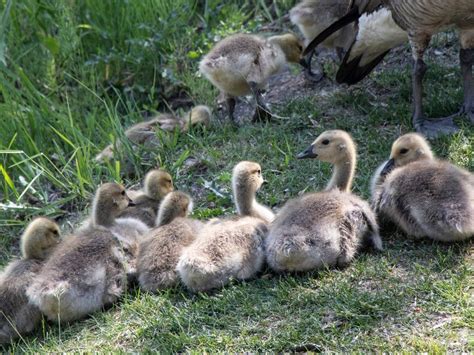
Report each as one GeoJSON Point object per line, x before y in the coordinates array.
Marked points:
{"type": "Point", "coordinates": [304, 63]}
{"type": "Point", "coordinates": [308, 153]}
{"type": "Point", "coordinates": [388, 167]}
{"type": "Point", "coordinates": [131, 203]}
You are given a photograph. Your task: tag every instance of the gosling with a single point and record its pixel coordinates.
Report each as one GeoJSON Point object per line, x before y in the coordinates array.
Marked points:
{"type": "Point", "coordinates": [242, 64]}
{"type": "Point", "coordinates": [158, 183]}
{"type": "Point", "coordinates": [324, 229]}
{"type": "Point", "coordinates": [230, 248]}
{"type": "Point", "coordinates": [160, 250]}
{"type": "Point", "coordinates": [127, 228]}
{"type": "Point", "coordinates": [17, 315]}
{"type": "Point", "coordinates": [145, 133]}
{"type": "Point", "coordinates": [87, 271]}
{"type": "Point", "coordinates": [424, 196]}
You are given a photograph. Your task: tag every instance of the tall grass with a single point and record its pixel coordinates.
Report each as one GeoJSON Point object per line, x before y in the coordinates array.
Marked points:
{"type": "Point", "coordinates": [74, 74]}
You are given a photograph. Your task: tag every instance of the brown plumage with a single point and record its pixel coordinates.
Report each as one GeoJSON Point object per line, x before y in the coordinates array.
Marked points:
{"type": "Point", "coordinates": [145, 133]}
{"type": "Point", "coordinates": [424, 196]}
{"type": "Point", "coordinates": [229, 248]}
{"type": "Point", "coordinates": [17, 315]}
{"type": "Point", "coordinates": [241, 64]}
{"type": "Point", "coordinates": [157, 184]}
{"type": "Point", "coordinates": [87, 271]}
{"type": "Point", "coordinates": [385, 24]}
{"type": "Point", "coordinates": [161, 248]}
{"type": "Point", "coordinates": [323, 229]}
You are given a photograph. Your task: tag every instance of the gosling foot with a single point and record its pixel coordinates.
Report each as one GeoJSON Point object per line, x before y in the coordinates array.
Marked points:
{"type": "Point", "coordinates": [435, 128]}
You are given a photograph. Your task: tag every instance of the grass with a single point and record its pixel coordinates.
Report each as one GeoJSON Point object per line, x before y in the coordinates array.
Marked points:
{"type": "Point", "coordinates": [61, 105]}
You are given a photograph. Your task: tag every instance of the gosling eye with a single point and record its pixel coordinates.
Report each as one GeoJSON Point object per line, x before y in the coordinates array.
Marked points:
{"type": "Point", "coordinates": [123, 193]}
{"type": "Point", "coordinates": [55, 232]}
{"type": "Point", "coordinates": [403, 151]}
{"type": "Point", "coordinates": [259, 171]}
{"type": "Point", "coordinates": [325, 142]}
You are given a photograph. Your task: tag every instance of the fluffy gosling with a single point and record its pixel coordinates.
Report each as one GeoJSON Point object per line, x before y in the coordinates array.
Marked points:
{"type": "Point", "coordinates": [87, 271]}
{"type": "Point", "coordinates": [17, 315]}
{"type": "Point", "coordinates": [424, 196]}
{"type": "Point", "coordinates": [157, 184]}
{"type": "Point", "coordinates": [160, 250]}
{"type": "Point", "coordinates": [229, 248]}
{"type": "Point", "coordinates": [241, 64]}
{"type": "Point", "coordinates": [323, 229]}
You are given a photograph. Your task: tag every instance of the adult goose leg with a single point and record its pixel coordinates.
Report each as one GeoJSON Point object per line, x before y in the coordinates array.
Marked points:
{"type": "Point", "coordinates": [466, 57]}
{"type": "Point", "coordinates": [428, 127]}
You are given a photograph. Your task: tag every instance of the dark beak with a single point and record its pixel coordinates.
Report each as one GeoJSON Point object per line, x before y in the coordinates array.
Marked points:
{"type": "Point", "coordinates": [304, 63]}
{"type": "Point", "coordinates": [388, 167]}
{"type": "Point", "coordinates": [131, 203]}
{"type": "Point", "coordinates": [308, 153]}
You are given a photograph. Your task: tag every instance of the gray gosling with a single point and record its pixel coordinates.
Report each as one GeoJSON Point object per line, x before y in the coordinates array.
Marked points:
{"type": "Point", "coordinates": [424, 196]}
{"type": "Point", "coordinates": [144, 133]}
{"type": "Point", "coordinates": [17, 315]}
{"type": "Point", "coordinates": [314, 16]}
{"type": "Point", "coordinates": [87, 271]}
{"type": "Point", "coordinates": [241, 64]}
{"type": "Point", "coordinates": [199, 115]}
{"type": "Point", "coordinates": [229, 248]}
{"type": "Point", "coordinates": [161, 248]}
{"type": "Point", "coordinates": [157, 184]}
{"type": "Point", "coordinates": [126, 228]}
{"type": "Point", "coordinates": [324, 229]}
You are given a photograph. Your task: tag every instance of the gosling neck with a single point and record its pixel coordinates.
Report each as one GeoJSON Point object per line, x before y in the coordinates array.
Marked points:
{"type": "Point", "coordinates": [244, 199]}
{"type": "Point", "coordinates": [165, 216]}
{"type": "Point", "coordinates": [101, 216]}
{"type": "Point", "coordinates": [343, 173]}
{"type": "Point", "coordinates": [28, 251]}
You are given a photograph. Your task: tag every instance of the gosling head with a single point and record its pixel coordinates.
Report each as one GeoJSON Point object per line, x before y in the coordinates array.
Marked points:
{"type": "Point", "coordinates": [39, 238]}
{"type": "Point", "coordinates": [201, 115]}
{"type": "Point", "coordinates": [290, 45]}
{"type": "Point", "coordinates": [331, 146]}
{"type": "Point", "coordinates": [175, 204]}
{"type": "Point", "coordinates": [407, 149]}
{"type": "Point", "coordinates": [109, 200]}
{"type": "Point", "coordinates": [106, 155]}
{"type": "Point", "coordinates": [158, 183]}
{"type": "Point", "coordinates": [247, 175]}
